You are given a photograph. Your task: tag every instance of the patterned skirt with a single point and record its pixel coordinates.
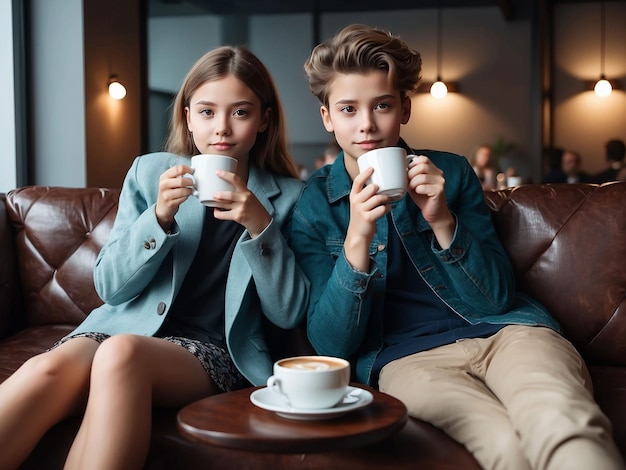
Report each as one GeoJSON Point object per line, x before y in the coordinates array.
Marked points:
{"type": "Point", "coordinates": [216, 361]}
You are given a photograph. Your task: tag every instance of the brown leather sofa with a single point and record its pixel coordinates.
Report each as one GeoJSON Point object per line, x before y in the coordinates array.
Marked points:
{"type": "Point", "coordinates": [567, 244]}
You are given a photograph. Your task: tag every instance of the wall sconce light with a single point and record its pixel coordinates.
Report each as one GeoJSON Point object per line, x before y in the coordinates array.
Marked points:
{"type": "Point", "coordinates": [117, 91]}
{"type": "Point", "coordinates": [602, 87]}
{"type": "Point", "coordinates": [439, 88]}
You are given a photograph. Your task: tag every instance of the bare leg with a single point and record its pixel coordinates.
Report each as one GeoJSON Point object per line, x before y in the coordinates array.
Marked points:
{"type": "Point", "coordinates": [130, 374]}
{"type": "Point", "coordinates": [43, 391]}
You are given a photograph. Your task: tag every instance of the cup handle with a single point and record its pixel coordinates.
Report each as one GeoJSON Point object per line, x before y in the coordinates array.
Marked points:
{"type": "Point", "coordinates": [351, 395]}
{"type": "Point", "coordinates": [273, 383]}
{"type": "Point", "coordinates": [409, 159]}
{"type": "Point", "coordinates": [193, 185]}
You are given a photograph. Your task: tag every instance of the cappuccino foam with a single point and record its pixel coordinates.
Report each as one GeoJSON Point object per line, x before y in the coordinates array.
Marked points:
{"type": "Point", "coordinates": [311, 364]}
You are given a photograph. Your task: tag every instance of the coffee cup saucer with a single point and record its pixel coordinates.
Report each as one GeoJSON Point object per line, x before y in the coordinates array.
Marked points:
{"type": "Point", "coordinates": [355, 398]}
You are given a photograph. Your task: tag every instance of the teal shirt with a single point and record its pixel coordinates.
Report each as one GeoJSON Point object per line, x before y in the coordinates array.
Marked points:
{"type": "Point", "coordinates": [473, 276]}
{"type": "Point", "coordinates": [141, 268]}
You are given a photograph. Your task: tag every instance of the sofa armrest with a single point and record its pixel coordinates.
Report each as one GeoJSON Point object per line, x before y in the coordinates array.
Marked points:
{"type": "Point", "coordinates": [9, 309]}
{"type": "Point", "coordinates": [566, 245]}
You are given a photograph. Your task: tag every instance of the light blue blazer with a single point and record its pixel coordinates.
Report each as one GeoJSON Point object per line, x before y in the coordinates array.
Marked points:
{"type": "Point", "coordinates": [141, 268]}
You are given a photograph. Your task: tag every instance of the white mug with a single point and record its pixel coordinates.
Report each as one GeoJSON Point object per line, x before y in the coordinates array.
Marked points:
{"type": "Point", "coordinates": [513, 181]}
{"type": "Point", "coordinates": [206, 182]}
{"type": "Point", "coordinates": [310, 382]}
{"type": "Point", "coordinates": [390, 170]}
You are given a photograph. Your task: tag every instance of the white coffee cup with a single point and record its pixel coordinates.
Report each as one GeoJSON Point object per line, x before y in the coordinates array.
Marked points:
{"type": "Point", "coordinates": [206, 181]}
{"type": "Point", "coordinates": [310, 382]}
{"type": "Point", "coordinates": [513, 181]}
{"type": "Point", "coordinates": [390, 170]}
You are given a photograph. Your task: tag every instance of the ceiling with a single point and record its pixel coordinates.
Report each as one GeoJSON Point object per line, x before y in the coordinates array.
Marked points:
{"type": "Point", "coordinates": [511, 9]}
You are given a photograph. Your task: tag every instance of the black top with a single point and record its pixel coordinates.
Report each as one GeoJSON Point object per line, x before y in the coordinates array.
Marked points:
{"type": "Point", "coordinates": [416, 319]}
{"type": "Point", "coordinates": [198, 310]}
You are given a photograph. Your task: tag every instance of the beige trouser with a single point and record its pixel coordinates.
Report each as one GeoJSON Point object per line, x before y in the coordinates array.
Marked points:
{"type": "Point", "coordinates": [520, 399]}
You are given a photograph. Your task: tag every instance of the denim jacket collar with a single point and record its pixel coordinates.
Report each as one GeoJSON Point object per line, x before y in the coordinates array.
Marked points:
{"type": "Point", "coordinates": [338, 183]}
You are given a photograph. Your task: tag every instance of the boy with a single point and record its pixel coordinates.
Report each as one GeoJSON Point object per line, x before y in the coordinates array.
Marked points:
{"type": "Point", "coordinates": [420, 294]}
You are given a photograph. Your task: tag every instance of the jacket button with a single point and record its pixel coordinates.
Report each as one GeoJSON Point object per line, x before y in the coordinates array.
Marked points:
{"type": "Point", "coordinates": [380, 247]}
{"type": "Point", "coordinates": [264, 250]}
{"type": "Point", "coordinates": [161, 308]}
{"type": "Point", "coordinates": [363, 282]}
{"type": "Point", "coordinates": [149, 244]}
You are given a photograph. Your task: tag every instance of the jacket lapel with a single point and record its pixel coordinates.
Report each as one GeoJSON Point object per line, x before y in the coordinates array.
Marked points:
{"type": "Point", "coordinates": [264, 187]}
{"type": "Point", "coordinates": [190, 220]}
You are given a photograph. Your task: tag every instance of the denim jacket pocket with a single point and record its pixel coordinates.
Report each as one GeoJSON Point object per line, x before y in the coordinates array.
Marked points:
{"type": "Point", "coordinates": [335, 247]}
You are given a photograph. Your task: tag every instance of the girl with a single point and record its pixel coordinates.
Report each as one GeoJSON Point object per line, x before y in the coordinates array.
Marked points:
{"type": "Point", "coordinates": [184, 285]}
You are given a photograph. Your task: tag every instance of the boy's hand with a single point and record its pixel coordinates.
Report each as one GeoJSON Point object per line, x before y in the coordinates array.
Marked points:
{"type": "Point", "coordinates": [426, 188]}
{"type": "Point", "coordinates": [365, 208]}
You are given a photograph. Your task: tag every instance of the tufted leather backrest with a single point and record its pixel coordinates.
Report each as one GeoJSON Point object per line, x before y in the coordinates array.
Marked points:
{"type": "Point", "coordinates": [567, 244]}
{"type": "Point", "coordinates": [58, 233]}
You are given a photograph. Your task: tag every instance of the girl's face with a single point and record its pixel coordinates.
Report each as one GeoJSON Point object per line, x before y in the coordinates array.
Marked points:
{"type": "Point", "coordinates": [224, 117]}
{"type": "Point", "coordinates": [365, 112]}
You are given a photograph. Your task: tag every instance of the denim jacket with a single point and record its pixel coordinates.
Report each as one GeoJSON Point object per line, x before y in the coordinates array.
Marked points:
{"type": "Point", "coordinates": [473, 276]}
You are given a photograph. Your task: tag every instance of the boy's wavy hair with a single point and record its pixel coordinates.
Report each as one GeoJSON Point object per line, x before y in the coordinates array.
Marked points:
{"type": "Point", "coordinates": [361, 49]}
{"type": "Point", "coordinates": [270, 148]}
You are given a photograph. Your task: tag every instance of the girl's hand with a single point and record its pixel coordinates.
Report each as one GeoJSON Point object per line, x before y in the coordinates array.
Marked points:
{"type": "Point", "coordinates": [241, 206]}
{"type": "Point", "coordinates": [426, 188]}
{"type": "Point", "coordinates": [174, 189]}
{"type": "Point", "coordinates": [365, 208]}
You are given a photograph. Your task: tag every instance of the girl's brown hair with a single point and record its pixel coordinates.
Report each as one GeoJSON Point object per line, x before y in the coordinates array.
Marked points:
{"type": "Point", "coordinates": [270, 149]}
{"type": "Point", "coordinates": [361, 49]}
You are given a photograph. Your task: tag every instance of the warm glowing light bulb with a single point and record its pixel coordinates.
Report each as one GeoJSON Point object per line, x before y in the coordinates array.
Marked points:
{"type": "Point", "coordinates": [438, 89]}
{"type": "Point", "coordinates": [603, 88]}
{"type": "Point", "coordinates": [117, 91]}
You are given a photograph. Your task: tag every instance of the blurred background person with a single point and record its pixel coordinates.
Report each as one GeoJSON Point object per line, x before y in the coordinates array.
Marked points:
{"type": "Point", "coordinates": [484, 167]}
{"type": "Point", "coordinates": [571, 167]}
{"type": "Point", "coordinates": [615, 151]}
{"type": "Point", "coordinates": [552, 163]}
{"type": "Point", "coordinates": [331, 152]}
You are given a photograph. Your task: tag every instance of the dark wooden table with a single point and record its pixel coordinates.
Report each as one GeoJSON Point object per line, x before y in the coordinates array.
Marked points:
{"type": "Point", "coordinates": [232, 420]}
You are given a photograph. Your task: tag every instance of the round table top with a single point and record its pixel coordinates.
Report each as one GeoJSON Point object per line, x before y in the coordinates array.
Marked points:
{"type": "Point", "coordinates": [232, 420]}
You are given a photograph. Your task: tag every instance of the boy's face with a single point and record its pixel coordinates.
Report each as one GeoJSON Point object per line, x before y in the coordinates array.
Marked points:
{"type": "Point", "coordinates": [365, 112]}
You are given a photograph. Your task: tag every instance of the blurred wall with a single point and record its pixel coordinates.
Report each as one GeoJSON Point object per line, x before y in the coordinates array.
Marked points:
{"type": "Point", "coordinates": [488, 56]}
{"type": "Point", "coordinates": [78, 135]}
{"type": "Point", "coordinates": [8, 176]}
{"type": "Point", "coordinates": [57, 109]}
{"type": "Point", "coordinates": [493, 61]}
{"type": "Point", "coordinates": [114, 129]}
{"type": "Point", "coordinates": [80, 138]}
{"type": "Point", "coordinates": [584, 122]}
